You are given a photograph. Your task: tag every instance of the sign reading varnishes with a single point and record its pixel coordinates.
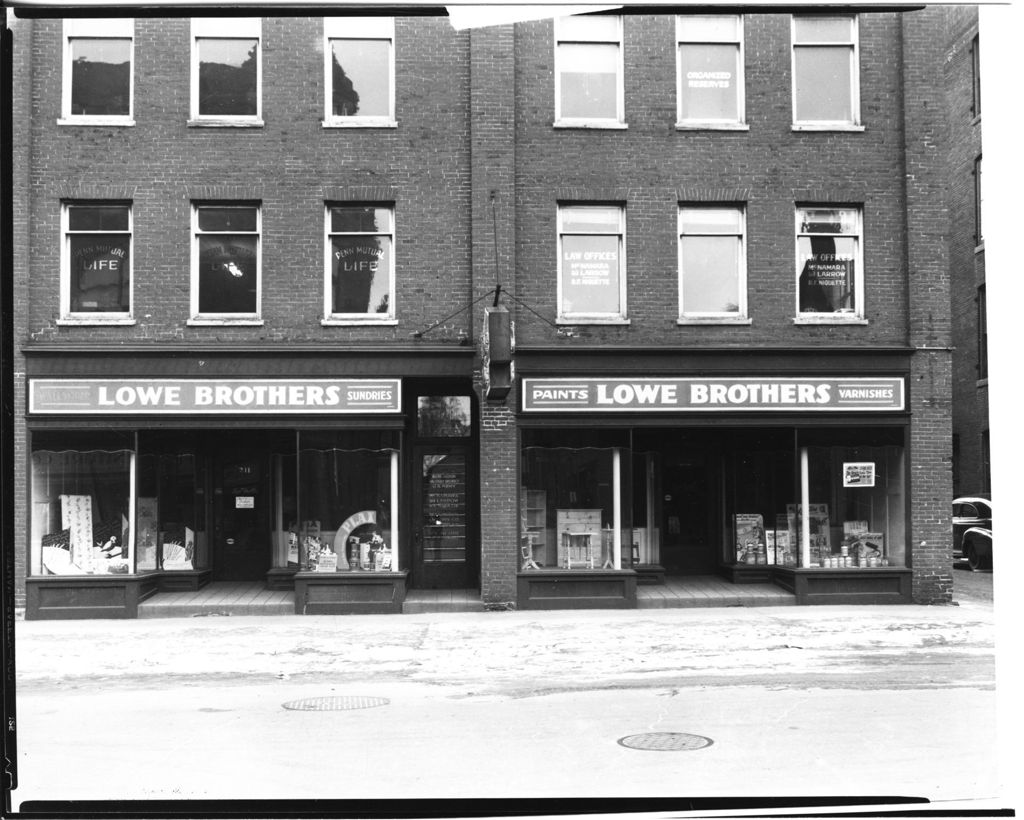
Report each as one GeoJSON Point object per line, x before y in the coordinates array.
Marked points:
{"type": "Point", "coordinates": [213, 396]}
{"type": "Point", "coordinates": [704, 394]}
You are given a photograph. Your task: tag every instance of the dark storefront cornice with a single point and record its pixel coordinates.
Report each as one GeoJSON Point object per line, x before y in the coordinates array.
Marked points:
{"type": "Point", "coordinates": [634, 350]}
{"type": "Point", "coordinates": [220, 349]}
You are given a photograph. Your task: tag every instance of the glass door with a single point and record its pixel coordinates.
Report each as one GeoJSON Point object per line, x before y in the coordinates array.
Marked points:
{"type": "Point", "coordinates": [444, 552]}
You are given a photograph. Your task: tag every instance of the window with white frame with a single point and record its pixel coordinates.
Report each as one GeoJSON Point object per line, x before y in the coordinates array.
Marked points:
{"type": "Point", "coordinates": [98, 72]}
{"type": "Point", "coordinates": [225, 262]}
{"type": "Point", "coordinates": [359, 71]}
{"type": "Point", "coordinates": [830, 281]}
{"type": "Point", "coordinates": [712, 264]}
{"type": "Point", "coordinates": [360, 271]}
{"type": "Point", "coordinates": [226, 71]}
{"type": "Point", "coordinates": [979, 235]}
{"type": "Point", "coordinates": [96, 267]}
{"type": "Point", "coordinates": [589, 71]}
{"type": "Point", "coordinates": [826, 71]}
{"type": "Point", "coordinates": [709, 70]}
{"type": "Point", "coordinates": [591, 263]}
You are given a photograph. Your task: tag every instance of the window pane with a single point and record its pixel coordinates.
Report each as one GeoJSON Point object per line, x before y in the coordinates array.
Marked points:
{"type": "Point", "coordinates": [227, 219]}
{"type": "Point", "coordinates": [80, 506]}
{"type": "Point", "coordinates": [710, 274]}
{"type": "Point", "coordinates": [589, 81]}
{"type": "Point", "coordinates": [590, 219]}
{"type": "Point", "coordinates": [828, 220]}
{"type": "Point", "coordinates": [590, 275]}
{"type": "Point", "coordinates": [710, 220]}
{"type": "Point", "coordinates": [589, 28]}
{"type": "Point", "coordinates": [361, 78]}
{"type": "Point", "coordinates": [360, 220]}
{"type": "Point", "coordinates": [827, 275]}
{"type": "Point", "coordinates": [708, 82]}
{"type": "Point", "coordinates": [713, 28]}
{"type": "Point", "coordinates": [98, 217]}
{"type": "Point", "coordinates": [443, 416]}
{"type": "Point", "coordinates": [824, 29]}
{"type": "Point", "coordinates": [227, 274]}
{"type": "Point", "coordinates": [227, 77]}
{"type": "Point", "coordinates": [100, 265]}
{"type": "Point", "coordinates": [361, 274]}
{"type": "Point", "coordinates": [101, 77]}
{"type": "Point", "coordinates": [823, 84]}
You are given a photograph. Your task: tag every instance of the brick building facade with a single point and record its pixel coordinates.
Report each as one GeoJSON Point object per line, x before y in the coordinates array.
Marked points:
{"type": "Point", "coordinates": [303, 433]}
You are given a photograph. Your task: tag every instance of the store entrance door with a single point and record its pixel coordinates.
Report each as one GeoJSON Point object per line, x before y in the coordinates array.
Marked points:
{"type": "Point", "coordinates": [241, 509]}
{"type": "Point", "coordinates": [688, 483]}
{"type": "Point", "coordinates": [445, 554]}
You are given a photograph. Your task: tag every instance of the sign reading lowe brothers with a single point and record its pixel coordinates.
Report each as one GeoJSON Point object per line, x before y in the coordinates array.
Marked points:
{"type": "Point", "coordinates": [710, 394]}
{"type": "Point", "coordinates": [213, 396]}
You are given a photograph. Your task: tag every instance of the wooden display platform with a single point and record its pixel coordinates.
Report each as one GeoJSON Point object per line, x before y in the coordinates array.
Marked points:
{"type": "Point", "coordinates": [576, 589]}
{"type": "Point", "coordinates": [349, 593]}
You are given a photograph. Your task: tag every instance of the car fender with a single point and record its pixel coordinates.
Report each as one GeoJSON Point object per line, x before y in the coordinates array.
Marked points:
{"type": "Point", "coordinates": [981, 538]}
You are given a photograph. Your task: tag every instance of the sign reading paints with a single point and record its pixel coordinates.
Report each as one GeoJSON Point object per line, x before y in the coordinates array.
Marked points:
{"type": "Point", "coordinates": [213, 396]}
{"type": "Point", "coordinates": [706, 394]}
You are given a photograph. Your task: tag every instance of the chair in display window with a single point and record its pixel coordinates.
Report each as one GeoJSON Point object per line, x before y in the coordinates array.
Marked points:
{"type": "Point", "coordinates": [528, 544]}
{"type": "Point", "coordinates": [578, 549]}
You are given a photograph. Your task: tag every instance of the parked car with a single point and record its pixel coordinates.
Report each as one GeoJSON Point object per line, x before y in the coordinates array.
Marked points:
{"type": "Point", "coordinates": [972, 531]}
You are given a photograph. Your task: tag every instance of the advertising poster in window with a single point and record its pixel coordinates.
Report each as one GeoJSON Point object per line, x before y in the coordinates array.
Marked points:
{"type": "Point", "coordinates": [709, 87]}
{"type": "Point", "coordinates": [821, 541]}
{"type": "Point", "coordinates": [858, 474]}
{"type": "Point", "coordinates": [826, 281]}
{"type": "Point", "coordinates": [99, 266]}
{"type": "Point", "coordinates": [590, 274]}
{"type": "Point", "coordinates": [360, 272]}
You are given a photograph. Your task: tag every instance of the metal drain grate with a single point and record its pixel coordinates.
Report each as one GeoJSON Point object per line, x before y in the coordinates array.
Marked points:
{"type": "Point", "coordinates": [665, 742]}
{"type": "Point", "coordinates": [335, 704]}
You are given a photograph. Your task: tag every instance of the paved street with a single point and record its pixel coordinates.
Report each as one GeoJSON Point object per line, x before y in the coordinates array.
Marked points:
{"type": "Point", "coordinates": [797, 701]}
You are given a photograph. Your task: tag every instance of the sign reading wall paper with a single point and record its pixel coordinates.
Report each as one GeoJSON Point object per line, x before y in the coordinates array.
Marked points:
{"type": "Point", "coordinates": [213, 396]}
{"type": "Point", "coordinates": [641, 395]}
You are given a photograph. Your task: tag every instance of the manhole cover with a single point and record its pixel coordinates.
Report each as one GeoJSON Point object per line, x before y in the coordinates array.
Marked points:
{"type": "Point", "coordinates": [665, 742]}
{"type": "Point", "coordinates": [335, 704]}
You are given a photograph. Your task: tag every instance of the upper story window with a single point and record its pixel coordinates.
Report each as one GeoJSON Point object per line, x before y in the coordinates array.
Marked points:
{"type": "Point", "coordinates": [976, 77]}
{"type": "Point", "coordinates": [830, 284]}
{"type": "Point", "coordinates": [96, 265]}
{"type": "Point", "coordinates": [589, 72]}
{"type": "Point", "coordinates": [226, 73]}
{"type": "Point", "coordinates": [979, 236]}
{"type": "Point", "coordinates": [359, 71]}
{"type": "Point", "coordinates": [225, 263]}
{"type": "Point", "coordinates": [709, 66]}
{"type": "Point", "coordinates": [982, 333]}
{"type": "Point", "coordinates": [591, 264]}
{"type": "Point", "coordinates": [826, 72]}
{"type": "Point", "coordinates": [98, 75]}
{"type": "Point", "coordinates": [360, 272]}
{"type": "Point", "coordinates": [712, 265]}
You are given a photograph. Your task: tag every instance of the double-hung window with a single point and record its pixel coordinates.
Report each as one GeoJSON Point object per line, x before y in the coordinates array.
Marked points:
{"type": "Point", "coordinates": [359, 71]}
{"type": "Point", "coordinates": [591, 264]}
{"type": "Point", "coordinates": [98, 75]}
{"type": "Point", "coordinates": [709, 71]}
{"type": "Point", "coordinates": [226, 71]}
{"type": "Point", "coordinates": [975, 77]}
{"type": "Point", "coordinates": [359, 276]}
{"type": "Point", "coordinates": [979, 236]}
{"type": "Point", "coordinates": [826, 72]}
{"type": "Point", "coordinates": [712, 265]}
{"type": "Point", "coordinates": [96, 266]}
{"type": "Point", "coordinates": [225, 263]}
{"type": "Point", "coordinates": [830, 279]}
{"type": "Point", "coordinates": [589, 72]}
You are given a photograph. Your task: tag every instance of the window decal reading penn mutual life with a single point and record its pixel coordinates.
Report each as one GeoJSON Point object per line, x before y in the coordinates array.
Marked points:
{"type": "Point", "coordinates": [610, 395]}
{"type": "Point", "coordinates": [213, 396]}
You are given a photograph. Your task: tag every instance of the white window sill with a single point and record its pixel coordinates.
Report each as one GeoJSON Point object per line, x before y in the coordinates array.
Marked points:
{"type": "Point", "coordinates": [828, 319]}
{"type": "Point", "coordinates": [827, 126]}
{"type": "Point", "coordinates": [591, 320]}
{"type": "Point", "coordinates": [223, 321]}
{"type": "Point", "coordinates": [981, 382]}
{"type": "Point", "coordinates": [122, 122]}
{"type": "Point", "coordinates": [356, 122]}
{"type": "Point", "coordinates": [95, 321]}
{"type": "Point", "coordinates": [976, 120]}
{"type": "Point", "coordinates": [226, 123]}
{"type": "Point", "coordinates": [980, 248]}
{"type": "Point", "coordinates": [711, 126]}
{"type": "Point", "coordinates": [358, 322]}
{"type": "Point", "coordinates": [714, 320]}
{"type": "Point", "coordinates": [609, 125]}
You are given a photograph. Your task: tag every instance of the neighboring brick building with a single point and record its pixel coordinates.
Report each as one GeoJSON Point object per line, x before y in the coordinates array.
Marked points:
{"type": "Point", "coordinates": [264, 267]}
{"type": "Point", "coordinates": [971, 466]}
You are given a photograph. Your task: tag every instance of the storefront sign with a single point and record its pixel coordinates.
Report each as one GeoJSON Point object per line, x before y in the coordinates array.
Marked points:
{"type": "Point", "coordinates": [213, 396]}
{"type": "Point", "coordinates": [703, 394]}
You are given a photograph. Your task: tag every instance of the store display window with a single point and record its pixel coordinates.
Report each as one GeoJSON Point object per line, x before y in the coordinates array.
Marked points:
{"type": "Point", "coordinates": [82, 504]}
{"type": "Point", "coordinates": [348, 502]}
{"type": "Point", "coordinates": [575, 510]}
{"type": "Point", "coordinates": [170, 508]}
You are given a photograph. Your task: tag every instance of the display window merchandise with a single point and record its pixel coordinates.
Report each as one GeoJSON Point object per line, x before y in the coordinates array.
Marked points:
{"type": "Point", "coordinates": [830, 279]}
{"type": "Point", "coordinates": [360, 268]}
{"type": "Point", "coordinates": [98, 72]}
{"type": "Point", "coordinates": [709, 82]}
{"type": "Point", "coordinates": [359, 71]}
{"type": "Point", "coordinates": [589, 72]}
{"type": "Point", "coordinates": [96, 262]}
{"type": "Point", "coordinates": [226, 71]}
